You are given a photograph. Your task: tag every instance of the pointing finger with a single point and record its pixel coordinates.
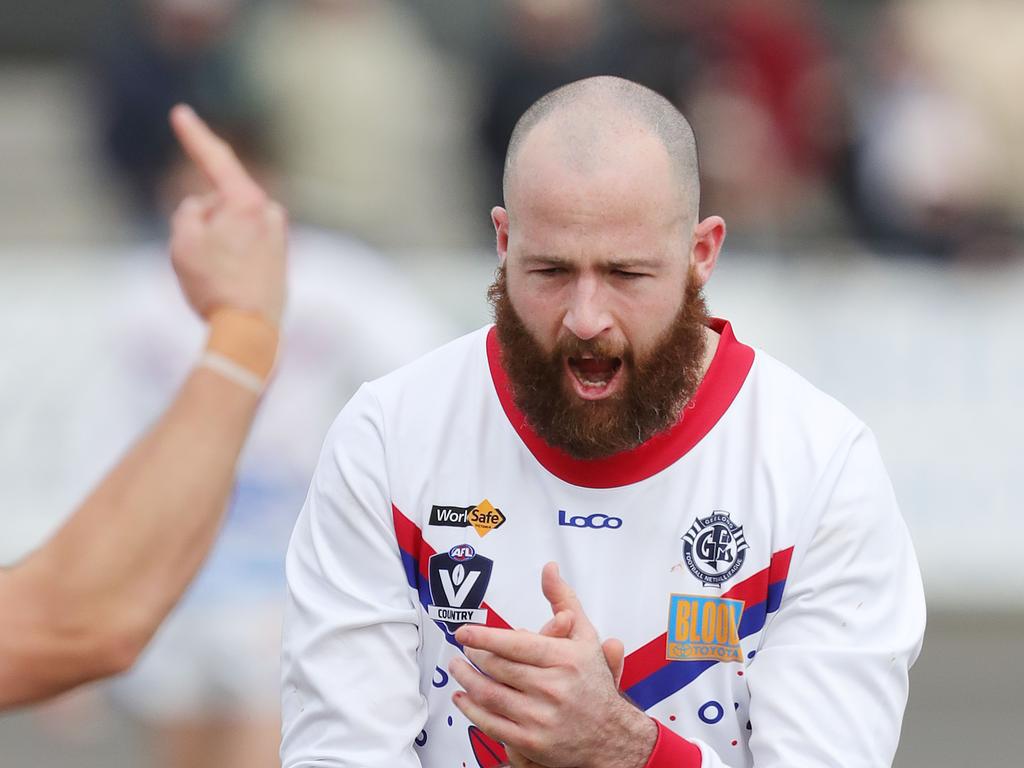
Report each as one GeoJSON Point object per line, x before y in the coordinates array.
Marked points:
{"type": "Point", "coordinates": [213, 156]}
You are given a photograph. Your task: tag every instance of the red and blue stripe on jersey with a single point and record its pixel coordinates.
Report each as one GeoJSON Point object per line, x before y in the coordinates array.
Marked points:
{"type": "Point", "coordinates": [648, 677]}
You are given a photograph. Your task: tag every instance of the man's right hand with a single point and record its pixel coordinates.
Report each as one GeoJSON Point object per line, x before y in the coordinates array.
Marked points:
{"type": "Point", "coordinates": [564, 606]}
{"type": "Point", "coordinates": [228, 247]}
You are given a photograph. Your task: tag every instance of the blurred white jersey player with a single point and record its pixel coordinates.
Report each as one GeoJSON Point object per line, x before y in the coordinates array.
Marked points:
{"type": "Point", "coordinates": [209, 683]}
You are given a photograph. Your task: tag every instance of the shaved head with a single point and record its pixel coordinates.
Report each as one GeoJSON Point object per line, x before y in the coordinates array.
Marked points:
{"type": "Point", "coordinates": [591, 123]}
{"type": "Point", "coordinates": [598, 300]}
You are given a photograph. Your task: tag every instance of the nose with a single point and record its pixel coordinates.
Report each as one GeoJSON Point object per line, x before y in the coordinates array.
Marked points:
{"type": "Point", "coordinates": [586, 316]}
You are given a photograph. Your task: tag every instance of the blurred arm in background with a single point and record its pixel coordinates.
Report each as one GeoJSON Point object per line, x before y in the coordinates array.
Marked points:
{"type": "Point", "coordinates": [85, 604]}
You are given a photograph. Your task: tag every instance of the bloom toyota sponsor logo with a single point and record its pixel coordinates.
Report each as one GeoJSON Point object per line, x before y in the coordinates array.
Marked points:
{"type": "Point", "coordinates": [596, 520]}
{"type": "Point", "coordinates": [703, 629]}
{"type": "Point", "coordinates": [483, 517]}
{"type": "Point", "coordinates": [458, 581]}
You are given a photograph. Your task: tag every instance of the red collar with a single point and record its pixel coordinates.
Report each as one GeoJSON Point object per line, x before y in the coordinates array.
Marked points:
{"type": "Point", "coordinates": [721, 384]}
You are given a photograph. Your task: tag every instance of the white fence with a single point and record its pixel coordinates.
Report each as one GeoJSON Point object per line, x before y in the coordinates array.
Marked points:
{"type": "Point", "coordinates": [931, 358]}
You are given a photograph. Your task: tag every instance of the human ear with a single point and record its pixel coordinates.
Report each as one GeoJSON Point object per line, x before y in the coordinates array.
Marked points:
{"type": "Point", "coordinates": [708, 237]}
{"type": "Point", "coordinates": [499, 217]}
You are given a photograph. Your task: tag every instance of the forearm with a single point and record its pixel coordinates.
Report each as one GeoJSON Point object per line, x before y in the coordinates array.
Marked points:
{"type": "Point", "coordinates": [85, 604]}
{"type": "Point", "coordinates": [629, 739]}
{"type": "Point", "coordinates": [645, 743]}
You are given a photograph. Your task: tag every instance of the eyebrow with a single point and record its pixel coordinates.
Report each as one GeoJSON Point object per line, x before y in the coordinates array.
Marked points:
{"type": "Point", "coordinates": [535, 261]}
{"type": "Point", "coordinates": [543, 260]}
{"type": "Point", "coordinates": [631, 265]}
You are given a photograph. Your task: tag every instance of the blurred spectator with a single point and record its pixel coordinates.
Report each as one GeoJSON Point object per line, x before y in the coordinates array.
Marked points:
{"type": "Point", "coordinates": [547, 43]}
{"type": "Point", "coordinates": [465, 28]}
{"type": "Point", "coordinates": [208, 687]}
{"type": "Point", "coordinates": [769, 106]}
{"type": "Point", "coordinates": [941, 160]}
{"type": "Point", "coordinates": [155, 54]}
{"type": "Point", "coordinates": [369, 122]}
{"type": "Point", "coordinates": [664, 45]}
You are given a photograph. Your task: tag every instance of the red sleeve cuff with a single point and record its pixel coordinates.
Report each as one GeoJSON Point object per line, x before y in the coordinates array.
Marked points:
{"type": "Point", "coordinates": [673, 751]}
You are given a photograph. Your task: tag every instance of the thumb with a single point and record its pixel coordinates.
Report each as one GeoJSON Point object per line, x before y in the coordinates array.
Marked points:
{"type": "Point", "coordinates": [559, 625]}
{"type": "Point", "coordinates": [563, 598]}
{"type": "Point", "coordinates": [615, 656]}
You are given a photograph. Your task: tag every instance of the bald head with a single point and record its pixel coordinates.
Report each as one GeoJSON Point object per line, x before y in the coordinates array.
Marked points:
{"type": "Point", "coordinates": [592, 123]}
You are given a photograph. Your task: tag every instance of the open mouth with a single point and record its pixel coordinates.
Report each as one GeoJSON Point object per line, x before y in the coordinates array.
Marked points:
{"type": "Point", "coordinates": [594, 378]}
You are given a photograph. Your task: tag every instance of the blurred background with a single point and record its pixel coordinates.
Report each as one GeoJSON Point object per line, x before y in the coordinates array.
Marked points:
{"type": "Point", "coordinates": [868, 157]}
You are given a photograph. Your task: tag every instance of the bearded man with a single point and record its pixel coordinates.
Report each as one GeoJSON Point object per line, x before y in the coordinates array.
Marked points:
{"type": "Point", "coordinates": [746, 593]}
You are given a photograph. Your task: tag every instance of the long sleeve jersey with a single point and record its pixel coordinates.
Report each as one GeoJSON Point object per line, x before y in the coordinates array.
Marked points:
{"type": "Point", "coordinates": [752, 559]}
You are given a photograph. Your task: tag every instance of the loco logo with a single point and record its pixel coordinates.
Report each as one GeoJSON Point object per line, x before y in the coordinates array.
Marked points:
{"type": "Point", "coordinates": [703, 629]}
{"type": "Point", "coordinates": [458, 581]}
{"type": "Point", "coordinates": [596, 520]}
{"type": "Point", "coordinates": [714, 548]}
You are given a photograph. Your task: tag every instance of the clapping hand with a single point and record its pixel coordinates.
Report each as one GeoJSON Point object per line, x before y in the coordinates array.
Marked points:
{"type": "Point", "coordinates": [552, 697]}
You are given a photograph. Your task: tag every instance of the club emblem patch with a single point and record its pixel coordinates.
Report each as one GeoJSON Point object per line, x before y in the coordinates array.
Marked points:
{"type": "Point", "coordinates": [703, 629]}
{"type": "Point", "coordinates": [483, 517]}
{"type": "Point", "coordinates": [458, 581]}
{"type": "Point", "coordinates": [714, 548]}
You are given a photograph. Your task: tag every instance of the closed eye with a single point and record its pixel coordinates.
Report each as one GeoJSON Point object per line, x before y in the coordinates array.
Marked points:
{"type": "Point", "coordinates": [549, 271]}
{"type": "Point", "coordinates": [628, 275]}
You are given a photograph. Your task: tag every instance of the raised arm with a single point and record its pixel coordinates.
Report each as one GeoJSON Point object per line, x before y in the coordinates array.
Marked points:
{"type": "Point", "coordinates": [86, 603]}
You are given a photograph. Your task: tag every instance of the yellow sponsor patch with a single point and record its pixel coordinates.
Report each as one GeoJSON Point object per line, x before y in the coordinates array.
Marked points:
{"type": "Point", "coordinates": [485, 517]}
{"type": "Point", "coordinates": [703, 629]}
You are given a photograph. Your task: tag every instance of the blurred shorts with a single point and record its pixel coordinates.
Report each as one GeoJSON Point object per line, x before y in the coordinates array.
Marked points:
{"type": "Point", "coordinates": [207, 662]}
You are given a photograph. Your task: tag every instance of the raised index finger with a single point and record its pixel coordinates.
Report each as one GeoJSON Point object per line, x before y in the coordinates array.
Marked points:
{"type": "Point", "coordinates": [212, 154]}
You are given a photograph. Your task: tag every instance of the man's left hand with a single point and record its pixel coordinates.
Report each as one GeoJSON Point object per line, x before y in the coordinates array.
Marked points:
{"type": "Point", "coordinates": [552, 699]}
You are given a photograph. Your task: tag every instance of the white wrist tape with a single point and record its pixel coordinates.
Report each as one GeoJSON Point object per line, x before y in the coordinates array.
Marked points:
{"type": "Point", "coordinates": [232, 371]}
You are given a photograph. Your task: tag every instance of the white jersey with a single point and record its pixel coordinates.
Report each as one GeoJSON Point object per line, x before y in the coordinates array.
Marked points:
{"type": "Point", "coordinates": [752, 559]}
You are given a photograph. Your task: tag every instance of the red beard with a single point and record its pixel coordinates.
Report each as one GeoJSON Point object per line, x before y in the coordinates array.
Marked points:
{"type": "Point", "coordinates": [655, 390]}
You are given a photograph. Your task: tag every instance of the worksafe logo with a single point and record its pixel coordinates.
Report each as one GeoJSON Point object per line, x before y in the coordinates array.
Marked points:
{"type": "Point", "coordinates": [483, 518]}
{"type": "Point", "coordinates": [458, 581]}
{"type": "Point", "coordinates": [703, 629]}
{"type": "Point", "coordinates": [714, 548]}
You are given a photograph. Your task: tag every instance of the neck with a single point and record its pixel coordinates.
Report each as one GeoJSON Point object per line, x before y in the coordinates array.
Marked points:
{"type": "Point", "coordinates": [711, 338]}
